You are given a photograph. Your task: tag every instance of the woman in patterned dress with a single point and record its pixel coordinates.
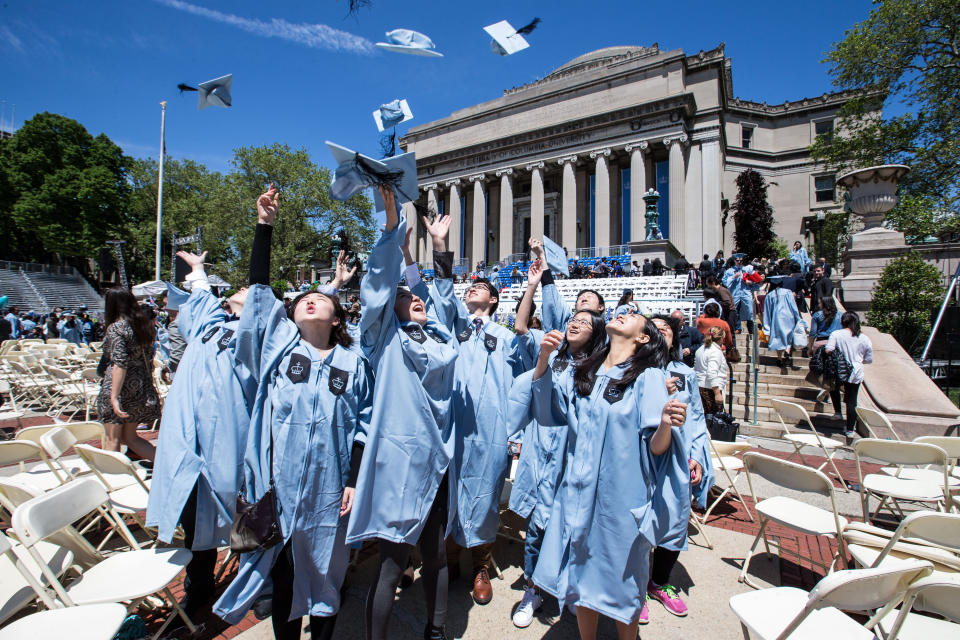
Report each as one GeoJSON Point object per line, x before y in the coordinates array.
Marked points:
{"type": "Point", "coordinates": [128, 396]}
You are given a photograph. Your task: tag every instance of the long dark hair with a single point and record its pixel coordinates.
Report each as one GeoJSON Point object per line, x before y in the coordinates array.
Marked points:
{"type": "Point", "coordinates": [338, 332]}
{"type": "Point", "coordinates": [850, 320]}
{"type": "Point", "coordinates": [829, 309]}
{"type": "Point", "coordinates": [598, 338]}
{"type": "Point", "coordinates": [120, 303]}
{"type": "Point", "coordinates": [653, 353]}
{"type": "Point", "coordinates": [625, 298]}
{"type": "Point", "coordinates": [675, 324]}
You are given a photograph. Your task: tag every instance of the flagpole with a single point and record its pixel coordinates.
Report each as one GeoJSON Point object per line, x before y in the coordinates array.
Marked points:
{"type": "Point", "coordinates": [163, 118]}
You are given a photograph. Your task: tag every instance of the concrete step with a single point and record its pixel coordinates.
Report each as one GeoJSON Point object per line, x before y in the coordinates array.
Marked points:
{"type": "Point", "coordinates": [824, 422]}
{"type": "Point", "coordinates": [808, 403]}
{"type": "Point", "coordinates": [796, 370]}
{"type": "Point", "coordinates": [773, 378]}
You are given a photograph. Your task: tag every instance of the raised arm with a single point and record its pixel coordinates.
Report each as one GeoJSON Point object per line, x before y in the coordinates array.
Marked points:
{"type": "Point", "coordinates": [445, 302]}
{"type": "Point", "coordinates": [267, 205]}
{"type": "Point", "coordinates": [534, 274]}
{"type": "Point", "coordinates": [378, 290]}
{"type": "Point", "coordinates": [202, 309]}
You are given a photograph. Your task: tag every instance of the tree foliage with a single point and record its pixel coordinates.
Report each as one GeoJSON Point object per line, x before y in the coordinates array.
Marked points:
{"type": "Point", "coordinates": [63, 190]}
{"type": "Point", "coordinates": [753, 215]}
{"type": "Point", "coordinates": [908, 292]}
{"type": "Point", "coordinates": [918, 218]}
{"type": "Point", "coordinates": [906, 53]}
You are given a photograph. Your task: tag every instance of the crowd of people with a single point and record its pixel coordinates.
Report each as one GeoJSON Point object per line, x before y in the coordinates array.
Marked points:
{"type": "Point", "coordinates": [397, 425]}
{"type": "Point", "coordinates": [75, 326]}
{"type": "Point", "coordinates": [392, 417]}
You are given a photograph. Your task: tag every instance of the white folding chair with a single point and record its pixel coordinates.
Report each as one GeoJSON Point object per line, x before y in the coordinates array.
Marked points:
{"type": "Point", "coordinates": [891, 490]}
{"type": "Point", "coordinates": [10, 410]}
{"type": "Point", "coordinates": [129, 492]}
{"type": "Point", "coordinates": [876, 423]}
{"type": "Point", "coordinates": [56, 442]}
{"type": "Point", "coordinates": [18, 452]}
{"type": "Point", "coordinates": [723, 457]}
{"type": "Point", "coordinates": [90, 622]}
{"type": "Point", "coordinates": [128, 577]}
{"type": "Point", "coordinates": [21, 580]}
{"type": "Point", "coordinates": [790, 412]}
{"type": "Point", "coordinates": [950, 444]}
{"type": "Point", "coordinates": [779, 613]}
{"type": "Point", "coordinates": [923, 535]}
{"type": "Point", "coordinates": [789, 512]}
{"type": "Point", "coordinates": [934, 594]}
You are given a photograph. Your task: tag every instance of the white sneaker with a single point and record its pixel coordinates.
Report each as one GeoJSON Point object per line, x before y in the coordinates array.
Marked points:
{"type": "Point", "coordinates": [531, 602]}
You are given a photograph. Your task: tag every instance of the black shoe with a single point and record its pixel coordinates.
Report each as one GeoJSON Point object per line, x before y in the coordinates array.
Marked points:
{"type": "Point", "coordinates": [263, 608]}
{"type": "Point", "coordinates": [434, 633]}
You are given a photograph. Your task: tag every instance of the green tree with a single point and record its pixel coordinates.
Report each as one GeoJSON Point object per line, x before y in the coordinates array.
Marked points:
{"type": "Point", "coordinates": [906, 53]}
{"type": "Point", "coordinates": [918, 217]}
{"type": "Point", "coordinates": [753, 215]}
{"type": "Point", "coordinates": [908, 292]}
{"type": "Point", "coordinates": [65, 191]}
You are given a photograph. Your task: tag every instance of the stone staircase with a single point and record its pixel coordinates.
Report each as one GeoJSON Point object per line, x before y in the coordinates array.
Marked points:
{"type": "Point", "coordinates": [773, 381]}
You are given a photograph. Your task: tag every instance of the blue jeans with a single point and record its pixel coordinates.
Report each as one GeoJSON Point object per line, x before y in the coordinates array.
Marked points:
{"type": "Point", "coordinates": [531, 549]}
{"type": "Point", "coordinates": [744, 309]}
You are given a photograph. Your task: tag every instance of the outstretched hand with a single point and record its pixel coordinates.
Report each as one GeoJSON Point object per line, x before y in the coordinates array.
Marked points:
{"type": "Point", "coordinates": [342, 274]}
{"type": "Point", "coordinates": [195, 261]}
{"type": "Point", "coordinates": [438, 231]}
{"type": "Point", "coordinates": [534, 273]}
{"type": "Point", "coordinates": [536, 248]}
{"type": "Point", "coordinates": [267, 205]}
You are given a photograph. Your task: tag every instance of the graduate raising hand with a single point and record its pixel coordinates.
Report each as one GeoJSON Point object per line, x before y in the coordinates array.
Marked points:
{"type": "Point", "coordinates": [267, 205]}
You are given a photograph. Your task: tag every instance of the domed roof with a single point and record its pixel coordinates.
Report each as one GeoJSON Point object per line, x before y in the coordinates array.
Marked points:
{"type": "Point", "coordinates": [600, 54]}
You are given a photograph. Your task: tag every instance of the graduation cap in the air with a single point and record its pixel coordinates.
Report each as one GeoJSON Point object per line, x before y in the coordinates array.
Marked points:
{"type": "Point", "coordinates": [409, 41]}
{"type": "Point", "coordinates": [391, 114]}
{"type": "Point", "coordinates": [739, 256]}
{"type": "Point", "coordinates": [355, 172]}
{"type": "Point", "coordinates": [175, 297]}
{"type": "Point", "coordinates": [506, 39]}
{"type": "Point", "coordinates": [556, 257]}
{"type": "Point", "coordinates": [212, 93]}
{"type": "Point", "coordinates": [776, 279]}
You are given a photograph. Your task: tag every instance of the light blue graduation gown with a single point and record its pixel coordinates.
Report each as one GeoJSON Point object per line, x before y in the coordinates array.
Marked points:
{"type": "Point", "coordinates": [672, 492]}
{"type": "Point", "coordinates": [554, 313]}
{"type": "Point", "coordinates": [596, 549]}
{"type": "Point", "coordinates": [410, 440]}
{"type": "Point", "coordinates": [780, 318]}
{"type": "Point", "coordinates": [71, 334]}
{"type": "Point", "coordinates": [163, 345]}
{"type": "Point", "coordinates": [740, 290]}
{"type": "Point", "coordinates": [487, 363]}
{"type": "Point", "coordinates": [800, 257]}
{"type": "Point", "coordinates": [541, 456]}
{"type": "Point", "coordinates": [203, 432]}
{"type": "Point", "coordinates": [310, 409]}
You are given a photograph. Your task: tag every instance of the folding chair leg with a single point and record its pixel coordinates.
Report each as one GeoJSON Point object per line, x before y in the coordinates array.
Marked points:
{"type": "Point", "coordinates": [843, 483]}
{"type": "Point", "coordinates": [701, 529]}
{"type": "Point", "coordinates": [495, 567]}
{"type": "Point", "coordinates": [176, 611]}
{"type": "Point", "coordinates": [740, 498]}
{"type": "Point", "coordinates": [743, 577]}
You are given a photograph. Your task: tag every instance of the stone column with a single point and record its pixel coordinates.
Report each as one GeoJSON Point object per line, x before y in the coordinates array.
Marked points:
{"type": "Point", "coordinates": [638, 186]}
{"type": "Point", "coordinates": [478, 246]}
{"type": "Point", "coordinates": [506, 211]}
{"type": "Point", "coordinates": [536, 200]}
{"type": "Point", "coordinates": [711, 176]}
{"type": "Point", "coordinates": [426, 245]}
{"type": "Point", "coordinates": [568, 215]}
{"type": "Point", "coordinates": [677, 183]}
{"type": "Point", "coordinates": [453, 239]}
{"type": "Point", "coordinates": [601, 199]}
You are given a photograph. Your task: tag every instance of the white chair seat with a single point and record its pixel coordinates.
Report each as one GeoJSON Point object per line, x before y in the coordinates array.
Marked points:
{"type": "Point", "coordinates": [732, 463]}
{"type": "Point", "coordinates": [92, 622]}
{"type": "Point", "coordinates": [800, 515]}
{"type": "Point", "coordinates": [930, 476]}
{"type": "Point", "coordinates": [130, 499]}
{"type": "Point", "coordinates": [134, 574]}
{"type": "Point", "coordinates": [944, 562]}
{"type": "Point", "coordinates": [121, 480]}
{"type": "Point", "coordinates": [15, 591]}
{"type": "Point", "coordinates": [811, 440]}
{"type": "Point", "coordinates": [43, 481]}
{"type": "Point", "coordinates": [767, 612]}
{"type": "Point", "coordinates": [901, 489]}
{"type": "Point", "coordinates": [920, 627]}
{"type": "Point", "coordinates": [73, 463]}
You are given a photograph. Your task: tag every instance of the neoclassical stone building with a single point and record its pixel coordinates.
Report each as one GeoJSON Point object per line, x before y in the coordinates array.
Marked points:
{"type": "Point", "coordinates": [570, 156]}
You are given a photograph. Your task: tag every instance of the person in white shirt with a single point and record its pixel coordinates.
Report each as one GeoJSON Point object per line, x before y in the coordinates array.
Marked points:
{"type": "Point", "coordinates": [711, 367]}
{"type": "Point", "coordinates": [858, 350]}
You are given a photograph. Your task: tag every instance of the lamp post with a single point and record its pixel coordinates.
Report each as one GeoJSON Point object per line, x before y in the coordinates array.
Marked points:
{"type": "Point", "coordinates": [821, 220]}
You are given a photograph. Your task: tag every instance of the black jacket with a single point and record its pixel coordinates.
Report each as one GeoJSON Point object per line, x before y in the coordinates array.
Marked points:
{"type": "Point", "coordinates": [691, 339]}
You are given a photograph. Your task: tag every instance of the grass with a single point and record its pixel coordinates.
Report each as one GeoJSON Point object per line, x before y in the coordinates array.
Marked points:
{"type": "Point", "coordinates": [954, 396]}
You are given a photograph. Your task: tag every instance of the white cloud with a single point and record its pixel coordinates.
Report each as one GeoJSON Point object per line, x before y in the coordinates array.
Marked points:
{"type": "Point", "coordinates": [316, 36]}
{"type": "Point", "coordinates": [10, 39]}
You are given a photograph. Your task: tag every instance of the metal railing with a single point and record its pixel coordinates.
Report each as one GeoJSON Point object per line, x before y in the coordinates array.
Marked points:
{"type": "Point", "coordinates": [38, 268]}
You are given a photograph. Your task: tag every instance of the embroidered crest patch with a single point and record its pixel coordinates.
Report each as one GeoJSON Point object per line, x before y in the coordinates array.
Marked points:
{"type": "Point", "coordinates": [209, 334]}
{"type": "Point", "coordinates": [681, 379]}
{"type": "Point", "coordinates": [299, 368]}
{"type": "Point", "coordinates": [464, 335]}
{"type": "Point", "coordinates": [338, 380]}
{"type": "Point", "coordinates": [490, 342]}
{"type": "Point", "coordinates": [613, 393]}
{"type": "Point", "coordinates": [416, 333]}
{"type": "Point", "coordinates": [560, 365]}
{"type": "Point", "coordinates": [225, 339]}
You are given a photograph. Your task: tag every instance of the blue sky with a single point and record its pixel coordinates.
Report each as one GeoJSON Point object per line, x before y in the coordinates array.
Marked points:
{"type": "Point", "coordinates": [305, 72]}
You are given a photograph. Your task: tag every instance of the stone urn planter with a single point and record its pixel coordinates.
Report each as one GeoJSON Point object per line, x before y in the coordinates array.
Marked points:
{"type": "Point", "coordinates": [873, 191]}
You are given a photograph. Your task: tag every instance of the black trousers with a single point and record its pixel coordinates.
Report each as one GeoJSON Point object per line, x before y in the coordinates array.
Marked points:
{"type": "Point", "coordinates": [662, 564]}
{"type": "Point", "coordinates": [321, 628]}
{"type": "Point", "coordinates": [199, 581]}
{"type": "Point", "coordinates": [850, 392]}
{"type": "Point", "coordinates": [393, 560]}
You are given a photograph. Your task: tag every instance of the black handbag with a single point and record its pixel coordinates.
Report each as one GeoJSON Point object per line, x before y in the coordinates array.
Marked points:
{"type": "Point", "coordinates": [722, 427]}
{"type": "Point", "coordinates": [256, 525]}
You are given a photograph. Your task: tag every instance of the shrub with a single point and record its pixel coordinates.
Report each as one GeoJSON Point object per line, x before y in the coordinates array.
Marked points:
{"type": "Point", "coordinates": [906, 295]}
